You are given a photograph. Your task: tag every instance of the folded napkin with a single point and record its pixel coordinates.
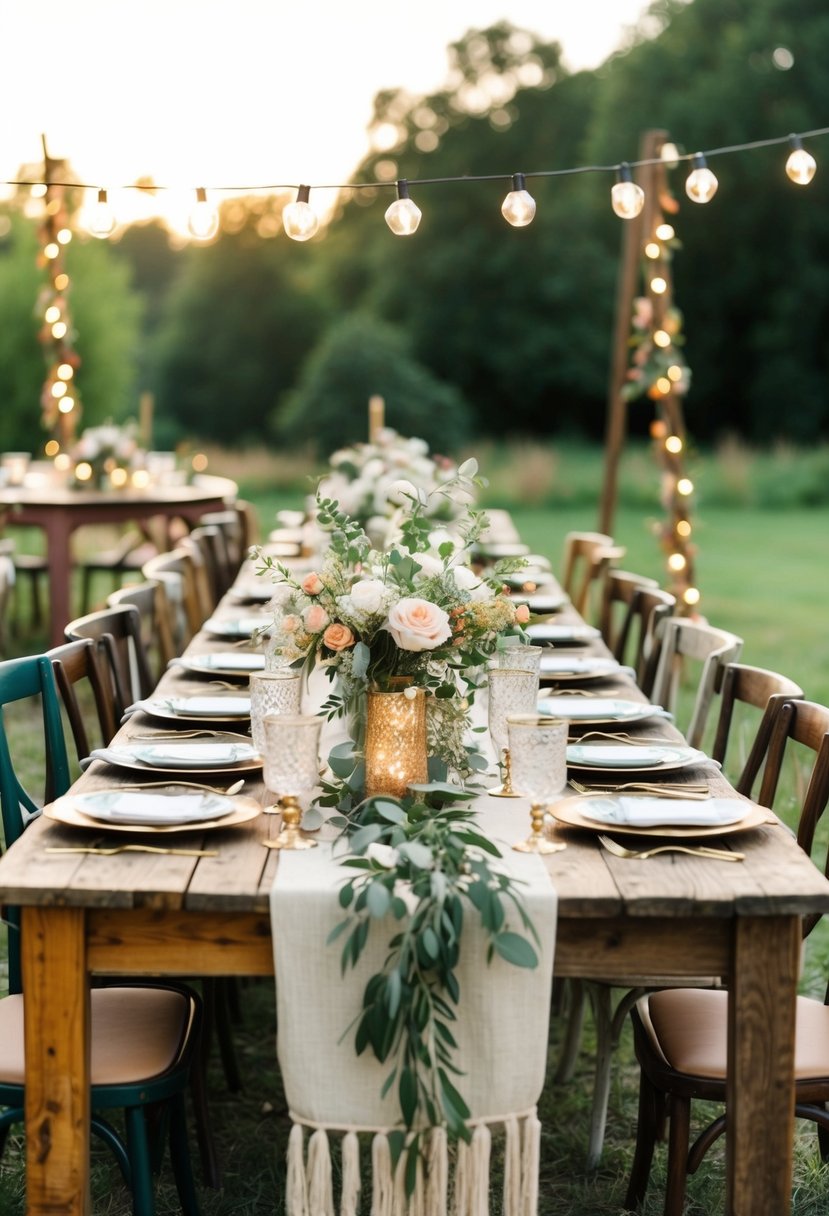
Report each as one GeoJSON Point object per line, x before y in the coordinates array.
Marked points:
{"type": "Point", "coordinates": [577, 708]}
{"type": "Point", "coordinates": [151, 809]}
{"type": "Point", "coordinates": [195, 707]}
{"type": "Point", "coordinates": [643, 812]}
{"type": "Point", "coordinates": [222, 662]}
{"type": "Point", "coordinates": [501, 1033]}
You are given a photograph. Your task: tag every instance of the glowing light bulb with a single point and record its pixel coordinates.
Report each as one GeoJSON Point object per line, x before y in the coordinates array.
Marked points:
{"type": "Point", "coordinates": [661, 338]}
{"type": "Point", "coordinates": [63, 461]}
{"type": "Point", "coordinates": [685, 486]}
{"type": "Point", "coordinates": [701, 185]}
{"type": "Point", "coordinates": [51, 448]}
{"type": "Point", "coordinates": [51, 250]}
{"type": "Point", "coordinates": [66, 405]}
{"type": "Point", "coordinates": [518, 208]}
{"type": "Point", "coordinates": [103, 221]}
{"type": "Point", "coordinates": [64, 236]}
{"type": "Point", "coordinates": [691, 595]}
{"type": "Point", "coordinates": [203, 221]}
{"type": "Point", "coordinates": [118, 477]}
{"type": "Point", "coordinates": [652, 250]}
{"type": "Point", "coordinates": [403, 216]}
{"type": "Point", "coordinates": [299, 219]}
{"type": "Point", "coordinates": [673, 444]}
{"type": "Point", "coordinates": [83, 471]}
{"type": "Point", "coordinates": [61, 282]}
{"type": "Point", "coordinates": [659, 285]}
{"type": "Point", "coordinates": [140, 479]}
{"type": "Point", "coordinates": [675, 373]}
{"type": "Point", "coordinates": [626, 198]}
{"type": "Point", "coordinates": [65, 371]}
{"type": "Point", "coordinates": [59, 329]}
{"type": "Point", "coordinates": [664, 385]}
{"type": "Point", "coordinates": [52, 314]}
{"type": "Point", "coordinates": [58, 389]}
{"type": "Point", "coordinates": [683, 528]}
{"type": "Point", "coordinates": [664, 232]}
{"type": "Point", "coordinates": [677, 562]}
{"type": "Point", "coordinates": [669, 155]}
{"type": "Point", "coordinates": [199, 462]}
{"type": "Point", "coordinates": [801, 165]}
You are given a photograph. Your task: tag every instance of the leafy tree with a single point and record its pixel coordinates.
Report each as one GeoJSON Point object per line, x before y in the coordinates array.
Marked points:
{"type": "Point", "coordinates": [240, 319]}
{"type": "Point", "coordinates": [360, 357]}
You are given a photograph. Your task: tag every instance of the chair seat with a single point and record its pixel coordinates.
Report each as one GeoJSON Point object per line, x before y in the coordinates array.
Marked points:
{"type": "Point", "coordinates": [137, 1034]}
{"type": "Point", "coordinates": [689, 1028]}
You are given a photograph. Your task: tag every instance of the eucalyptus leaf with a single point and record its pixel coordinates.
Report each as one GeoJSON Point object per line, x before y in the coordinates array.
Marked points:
{"type": "Point", "coordinates": [378, 898]}
{"type": "Point", "coordinates": [418, 854]}
{"type": "Point", "coordinates": [361, 656]}
{"type": "Point", "coordinates": [516, 950]}
{"type": "Point", "coordinates": [312, 819]}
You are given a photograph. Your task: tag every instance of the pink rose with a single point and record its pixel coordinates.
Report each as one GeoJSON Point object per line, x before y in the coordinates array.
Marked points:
{"type": "Point", "coordinates": [416, 625]}
{"type": "Point", "coordinates": [290, 623]}
{"type": "Point", "coordinates": [315, 618]}
{"type": "Point", "coordinates": [338, 637]}
{"type": "Point", "coordinates": [312, 584]}
{"type": "Point", "coordinates": [522, 614]}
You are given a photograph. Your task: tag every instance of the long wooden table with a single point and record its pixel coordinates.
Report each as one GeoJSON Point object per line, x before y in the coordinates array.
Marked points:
{"type": "Point", "coordinates": [140, 915]}
{"type": "Point", "coordinates": [60, 510]}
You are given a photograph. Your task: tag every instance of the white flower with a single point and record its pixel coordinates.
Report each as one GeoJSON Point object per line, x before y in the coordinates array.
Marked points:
{"type": "Point", "coordinates": [369, 595]}
{"type": "Point", "coordinates": [383, 855]}
{"type": "Point", "coordinates": [429, 564]}
{"type": "Point", "coordinates": [468, 580]}
{"type": "Point", "coordinates": [401, 492]}
{"type": "Point", "coordinates": [417, 625]}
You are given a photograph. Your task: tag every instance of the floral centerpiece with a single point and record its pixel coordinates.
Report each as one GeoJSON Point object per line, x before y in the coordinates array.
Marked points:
{"type": "Point", "coordinates": [371, 481]}
{"type": "Point", "coordinates": [416, 615]}
{"type": "Point", "coordinates": [102, 451]}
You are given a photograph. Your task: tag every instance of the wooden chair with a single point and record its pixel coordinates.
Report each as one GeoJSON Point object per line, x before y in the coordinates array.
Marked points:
{"type": "Point", "coordinates": [183, 577]}
{"type": "Point", "coordinates": [123, 560]}
{"type": "Point", "coordinates": [682, 640]}
{"type": "Point", "coordinates": [586, 560]}
{"type": "Point", "coordinates": [680, 1034]}
{"type": "Point", "coordinates": [632, 607]}
{"type": "Point", "coordinates": [211, 544]}
{"type": "Point", "coordinates": [76, 665]}
{"type": "Point", "coordinates": [741, 686]}
{"type": "Point", "coordinates": [158, 621]}
{"type": "Point", "coordinates": [143, 1036]}
{"type": "Point", "coordinates": [240, 529]}
{"type": "Point", "coordinates": [34, 568]}
{"type": "Point", "coordinates": [117, 635]}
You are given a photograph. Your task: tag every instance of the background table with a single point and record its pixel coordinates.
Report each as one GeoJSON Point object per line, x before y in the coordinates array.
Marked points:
{"type": "Point", "coordinates": [60, 510]}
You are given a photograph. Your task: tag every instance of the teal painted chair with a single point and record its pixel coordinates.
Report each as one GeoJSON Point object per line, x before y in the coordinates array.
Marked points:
{"type": "Point", "coordinates": [143, 1036]}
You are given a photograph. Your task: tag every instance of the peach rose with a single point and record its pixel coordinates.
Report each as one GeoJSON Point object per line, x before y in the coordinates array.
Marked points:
{"type": "Point", "coordinates": [315, 618]}
{"type": "Point", "coordinates": [416, 625]}
{"type": "Point", "coordinates": [338, 637]}
{"type": "Point", "coordinates": [312, 584]}
{"type": "Point", "coordinates": [290, 623]}
{"type": "Point", "coordinates": [522, 614]}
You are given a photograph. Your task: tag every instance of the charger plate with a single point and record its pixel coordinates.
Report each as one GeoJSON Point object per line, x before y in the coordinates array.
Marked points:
{"type": "Point", "coordinates": [197, 709]}
{"type": "Point", "coordinates": [68, 810]}
{"type": "Point", "coordinates": [572, 668]}
{"type": "Point", "coordinates": [237, 627]}
{"type": "Point", "coordinates": [542, 602]}
{"type": "Point", "coordinates": [578, 812]}
{"type": "Point", "coordinates": [588, 711]}
{"type": "Point", "coordinates": [562, 635]}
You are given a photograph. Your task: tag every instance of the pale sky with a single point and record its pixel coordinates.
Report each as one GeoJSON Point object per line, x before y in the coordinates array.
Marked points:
{"type": "Point", "coordinates": [241, 92]}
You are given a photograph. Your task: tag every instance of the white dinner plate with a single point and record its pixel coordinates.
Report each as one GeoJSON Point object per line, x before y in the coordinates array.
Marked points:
{"type": "Point", "coordinates": [225, 663]}
{"type": "Point", "coordinates": [237, 627]}
{"type": "Point", "coordinates": [597, 709]}
{"type": "Point", "coordinates": [73, 811]}
{"type": "Point", "coordinates": [561, 667]}
{"type": "Point", "coordinates": [251, 593]}
{"type": "Point", "coordinates": [232, 754]}
{"type": "Point", "coordinates": [652, 758]}
{"type": "Point", "coordinates": [562, 635]}
{"type": "Point", "coordinates": [150, 808]}
{"type": "Point", "coordinates": [643, 816]}
{"type": "Point", "coordinates": [528, 579]}
{"type": "Point", "coordinates": [182, 709]}
{"type": "Point", "coordinates": [542, 602]}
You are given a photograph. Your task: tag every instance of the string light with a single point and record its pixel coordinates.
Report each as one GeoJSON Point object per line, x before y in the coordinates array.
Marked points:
{"type": "Point", "coordinates": [203, 221]}
{"type": "Point", "coordinates": [102, 222]}
{"type": "Point", "coordinates": [518, 208]}
{"type": "Point", "coordinates": [801, 165]}
{"type": "Point", "coordinates": [299, 219]}
{"type": "Point", "coordinates": [403, 215]}
{"type": "Point", "coordinates": [626, 198]}
{"type": "Point", "coordinates": [701, 185]}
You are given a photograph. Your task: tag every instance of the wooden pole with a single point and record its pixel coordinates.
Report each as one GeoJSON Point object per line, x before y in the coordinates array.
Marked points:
{"type": "Point", "coordinates": [632, 239]}
{"type": "Point", "coordinates": [376, 414]}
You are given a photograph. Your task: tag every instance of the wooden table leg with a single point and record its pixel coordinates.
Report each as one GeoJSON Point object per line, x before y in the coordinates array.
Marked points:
{"type": "Point", "coordinates": [56, 985]}
{"type": "Point", "coordinates": [760, 1092]}
{"type": "Point", "coordinates": [58, 534]}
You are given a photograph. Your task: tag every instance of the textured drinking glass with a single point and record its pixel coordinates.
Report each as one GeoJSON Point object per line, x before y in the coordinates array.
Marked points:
{"type": "Point", "coordinates": [291, 771]}
{"type": "Point", "coordinates": [511, 691]}
{"type": "Point", "coordinates": [538, 755]}
{"type": "Point", "coordinates": [271, 692]}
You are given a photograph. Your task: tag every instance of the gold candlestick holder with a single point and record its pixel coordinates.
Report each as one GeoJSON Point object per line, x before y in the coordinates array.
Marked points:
{"type": "Point", "coordinates": [291, 835]}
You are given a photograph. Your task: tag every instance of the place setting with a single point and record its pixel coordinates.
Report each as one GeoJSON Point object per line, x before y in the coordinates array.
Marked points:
{"type": "Point", "coordinates": [582, 708]}
{"type": "Point", "coordinates": [238, 628]}
{"type": "Point", "coordinates": [194, 709]}
{"type": "Point", "coordinates": [231, 664]}
{"type": "Point", "coordinates": [173, 806]}
{"type": "Point", "coordinates": [564, 634]}
{"type": "Point", "coordinates": [219, 752]}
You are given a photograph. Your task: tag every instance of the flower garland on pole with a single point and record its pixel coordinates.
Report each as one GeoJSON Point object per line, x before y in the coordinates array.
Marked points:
{"type": "Point", "coordinates": [659, 371]}
{"type": "Point", "coordinates": [59, 398]}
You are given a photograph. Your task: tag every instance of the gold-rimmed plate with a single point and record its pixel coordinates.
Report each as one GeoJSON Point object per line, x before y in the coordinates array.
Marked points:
{"type": "Point", "coordinates": [74, 810]}
{"type": "Point", "coordinates": [654, 758]}
{"type": "Point", "coordinates": [706, 817]}
{"type": "Point", "coordinates": [225, 753]}
{"type": "Point", "coordinates": [235, 664]}
{"type": "Point", "coordinates": [196, 709]}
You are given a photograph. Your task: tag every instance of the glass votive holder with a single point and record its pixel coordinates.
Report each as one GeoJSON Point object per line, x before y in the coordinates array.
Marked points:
{"type": "Point", "coordinates": [291, 771]}
{"type": "Point", "coordinates": [272, 692]}
{"type": "Point", "coordinates": [520, 658]}
{"type": "Point", "coordinates": [15, 465]}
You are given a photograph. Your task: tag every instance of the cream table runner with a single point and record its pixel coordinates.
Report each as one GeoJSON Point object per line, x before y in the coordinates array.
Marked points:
{"type": "Point", "coordinates": [502, 1030]}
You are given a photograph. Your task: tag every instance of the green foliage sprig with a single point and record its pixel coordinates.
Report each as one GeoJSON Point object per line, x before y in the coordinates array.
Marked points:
{"type": "Point", "coordinates": [424, 867]}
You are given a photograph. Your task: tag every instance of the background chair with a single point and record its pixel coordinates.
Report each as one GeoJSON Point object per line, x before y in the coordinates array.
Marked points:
{"type": "Point", "coordinates": [740, 686]}
{"type": "Point", "coordinates": [680, 1035]}
{"type": "Point", "coordinates": [632, 607]}
{"type": "Point", "coordinates": [116, 633]}
{"type": "Point", "coordinates": [682, 641]}
{"type": "Point", "coordinates": [587, 558]}
{"type": "Point", "coordinates": [143, 1037]}
{"type": "Point", "coordinates": [123, 560]}
{"type": "Point", "coordinates": [158, 622]}
{"type": "Point", "coordinates": [183, 578]}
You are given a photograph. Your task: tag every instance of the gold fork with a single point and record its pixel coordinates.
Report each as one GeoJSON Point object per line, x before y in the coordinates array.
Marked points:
{"type": "Point", "coordinates": [103, 851]}
{"type": "Point", "coordinates": [694, 792]}
{"type": "Point", "coordinates": [697, 850]}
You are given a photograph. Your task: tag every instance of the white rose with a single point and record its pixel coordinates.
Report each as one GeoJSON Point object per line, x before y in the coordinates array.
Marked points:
{"type": "Point", "coordinates": [368, 595]}
{"type": "Point", "coordinates": [383, 854]}
{"type": "Point", "coordinates": [401, 492]}
{"type": "Point", "coordinates": [429, 564]}
{"type": "Point", "coordinates": [417, 625]}
{"type": "Point", "coordinates": [468, 580]}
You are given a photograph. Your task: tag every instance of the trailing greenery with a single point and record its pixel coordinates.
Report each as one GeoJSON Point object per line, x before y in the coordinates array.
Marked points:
{"type": "Point", "coordinates": [422, 863]}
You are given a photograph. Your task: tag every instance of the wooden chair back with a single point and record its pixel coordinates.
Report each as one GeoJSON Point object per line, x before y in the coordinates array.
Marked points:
{"type": "Point", "coordinates": [157, 619]}
{"type": "Point", "coordinates": [77, 667]}
{"type": "Point", "coordinates": [632, 607]}
{"type": "Point", "coordinates": [212, 542]}
{"type": "Point", "coordinates": [587, 558]}
{"type": "Point", "coordinates": [680, 640]}
{"type": "Point", "coordinates": [117, 635]}
{"type": "Point", "coordinates": [763, 691]}
{"type": "Point", "coordinates": [185, 585]}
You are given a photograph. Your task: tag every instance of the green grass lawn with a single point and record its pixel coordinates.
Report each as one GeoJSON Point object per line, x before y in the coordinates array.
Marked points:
{"type": "Point", "coordinates": [762, 575]}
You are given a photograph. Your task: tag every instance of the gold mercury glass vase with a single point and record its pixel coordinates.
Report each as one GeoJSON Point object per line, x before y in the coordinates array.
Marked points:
{"type": "Point", "coordinates": [395, 746]}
